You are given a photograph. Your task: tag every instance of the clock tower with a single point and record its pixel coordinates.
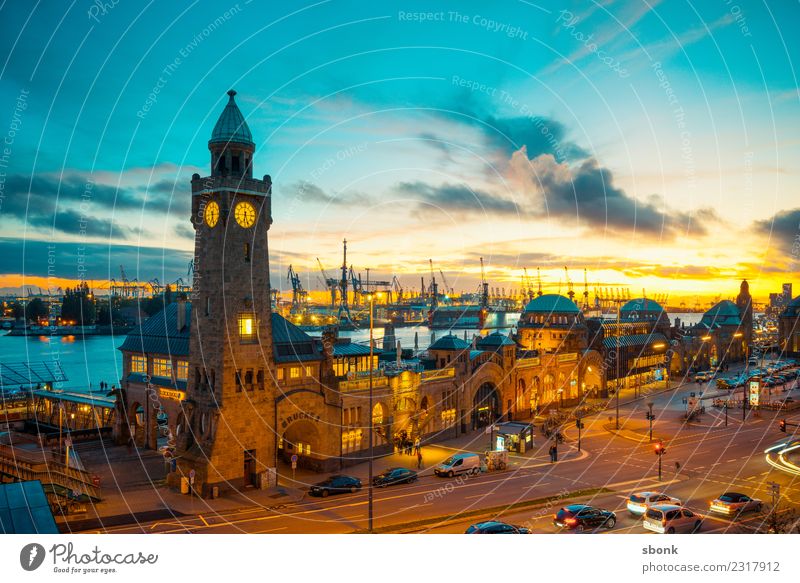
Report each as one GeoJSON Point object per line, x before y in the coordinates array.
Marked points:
{"type": "Point", "coordinates": [226, 434]}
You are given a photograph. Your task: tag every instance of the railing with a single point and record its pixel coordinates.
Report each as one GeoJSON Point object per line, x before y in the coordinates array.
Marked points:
{"type": "Point", "coordinates": [378, 381]}
{"type": "Point", "coordinates": [47, 467]}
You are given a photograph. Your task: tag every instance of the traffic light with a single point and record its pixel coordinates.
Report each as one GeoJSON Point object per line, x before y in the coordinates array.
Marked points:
{"type": "Point", "coordinates": [579, 424]}
{"type": "Point", "coordinates": [659, 448]}
{"type": "Point", "coordinates": [782, 425]}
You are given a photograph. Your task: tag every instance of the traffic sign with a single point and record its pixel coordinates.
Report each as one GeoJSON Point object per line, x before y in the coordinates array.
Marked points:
{"type": "Point", "coordinates": [294, 465]}
{"type": "Point", "coordinates": [776, 488]}
{"type": "Point", "coordinates": [294, 458]}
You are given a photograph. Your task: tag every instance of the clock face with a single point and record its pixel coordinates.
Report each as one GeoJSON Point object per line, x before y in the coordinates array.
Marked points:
{"type": "Point", "coordinates": [245, 214]}
{"type": "Point", "coordinates": [211, 214]}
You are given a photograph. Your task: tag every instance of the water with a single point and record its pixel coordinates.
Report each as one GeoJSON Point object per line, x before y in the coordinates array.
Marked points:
{"type": "Point", "coordinates": [85, 360]}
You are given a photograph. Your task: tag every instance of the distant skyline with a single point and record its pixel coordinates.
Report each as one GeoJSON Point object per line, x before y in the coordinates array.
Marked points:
{"type": "Point", "coordinates": [653, 144]}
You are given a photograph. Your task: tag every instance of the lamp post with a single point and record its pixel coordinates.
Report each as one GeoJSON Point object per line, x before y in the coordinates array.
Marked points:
{"type": "Point", "coordinates": [371, 349]}
{"type": "Point", "coordinates": [619, 341]}
{"type": "Point", "coordinates": [650, 418]}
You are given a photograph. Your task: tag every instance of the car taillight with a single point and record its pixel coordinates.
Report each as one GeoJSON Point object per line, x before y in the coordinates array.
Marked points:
{"type": "Point", "coordinates": [570, 521]}
{"type": "Point", "coordinates": [663, 522]}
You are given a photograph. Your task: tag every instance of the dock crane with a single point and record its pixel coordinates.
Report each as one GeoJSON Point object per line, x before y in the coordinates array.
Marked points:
{"type": "Point", "coordinates": [331, 283]}
{"type": "Point", "coordinates": [447, 288]}
{"type": "Point", "coordinates": [484, 288]}
{"type": "Point", "coordinates": [539, 292]}
{"type": "Point", "coordinates": [434, 288]}
{"type": "Point", "coordinates": [527, 287]}
{"type": "Point", "coordinates": [570, 290]}
{"type": "Point", "coordinates": [397, 289]}
{"type": "Point", "coordinates": [585, 290]}
{"type": "Point", "coordinates": [299, 295]}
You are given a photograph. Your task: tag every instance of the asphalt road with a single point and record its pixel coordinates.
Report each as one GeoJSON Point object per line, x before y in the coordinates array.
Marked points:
{"type": "Point", "coordinates": [714, 458]}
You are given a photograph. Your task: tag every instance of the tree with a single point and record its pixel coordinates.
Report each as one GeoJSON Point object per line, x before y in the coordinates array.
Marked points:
{"type": "Point", "coordinates": [78, 305]}
{"type": "Point", "coordinates": [35, 310]}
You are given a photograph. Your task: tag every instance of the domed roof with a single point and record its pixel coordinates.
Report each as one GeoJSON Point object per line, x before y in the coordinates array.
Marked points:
{"type": "Point", "coordinates": [231, 126]}
{"type": "Point", "coordinates": [723, 313]}
{"type": "Point", "coordinates": [644, 305]}
{"type": "Point", "coordinates": [494, 340]}
{"type": "Point", "coordinates": [449, 342]}
{"type": "Point", "coordinates": [552, 304]}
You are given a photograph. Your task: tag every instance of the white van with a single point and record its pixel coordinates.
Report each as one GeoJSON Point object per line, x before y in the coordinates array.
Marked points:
{"type": "Point", "coordinates": [460, 463]}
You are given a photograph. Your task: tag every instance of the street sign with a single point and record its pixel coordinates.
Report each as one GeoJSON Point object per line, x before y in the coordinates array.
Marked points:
{"type": "Point", "coordinates": [294, 458]}
{"type": "Point", "coordinates": [776, 488]}
{"type": "Point", "coordinates": [191, 476]}
{"type": "Point", "coordinates": [294, 465]}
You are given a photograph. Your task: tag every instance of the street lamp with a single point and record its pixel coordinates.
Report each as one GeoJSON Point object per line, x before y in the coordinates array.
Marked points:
{"type": "Point", "coordinates": [619, 341]}
{"type": "Point", "coordinates": [371, 350]}
{"type": "Point", "coordinates": [650, 418]}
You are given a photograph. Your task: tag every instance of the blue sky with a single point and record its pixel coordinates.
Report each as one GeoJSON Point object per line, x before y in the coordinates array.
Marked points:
{"type": "Point", "coordinates": [654, 144]}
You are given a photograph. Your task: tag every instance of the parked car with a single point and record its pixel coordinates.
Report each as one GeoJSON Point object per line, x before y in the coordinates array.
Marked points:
{"type": "Point", "coordinates": [496, 527]}
{"type": "Point", "coordinates": [580, 517]}
{"type": "Point", "coordinates": [731, 503]}
{"type": "Point", "coordinates": [394, 476]}
{"type": "Point", "coordinates": [460, 463]}
{"type": "Point", "coordinates": [671, 518]}
{"type": "Point", "coordinates": [336, 485]}
{"type": "Point", "coordinates": [639, 502]}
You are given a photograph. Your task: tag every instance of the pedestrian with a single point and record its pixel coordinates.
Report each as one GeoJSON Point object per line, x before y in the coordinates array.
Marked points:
{"type": "Point", "coordinates": [417, 445]}
{"type": "Point", "coordinates": [677, 467]}
{"type": "Point", "coordinates": [552, 453]}
{"type": "Point", "coordinates": [130, 445]}
{"type": "Point", "coordinates": [419, 459]}
{"type": "Point", "coordinates": [409, 447]}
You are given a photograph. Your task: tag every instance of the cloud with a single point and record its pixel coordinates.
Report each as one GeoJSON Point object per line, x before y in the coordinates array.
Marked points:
{"type": "Point", "coordinates": [455, 198]}
{"type": "Point", "coordinates": [586, 195]}
{"type": "Point", "coordinates": [784, 230]}
{"type": "Point", "coordinates": [309, 193]}
{"type": "Point", "coordinates": [91, 261]}
{"type": "Point", "coordinates": [75, 203]}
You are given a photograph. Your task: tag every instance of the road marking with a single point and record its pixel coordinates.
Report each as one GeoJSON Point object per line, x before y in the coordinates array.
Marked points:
{"type": "Point", "coordinates": [200, 516]}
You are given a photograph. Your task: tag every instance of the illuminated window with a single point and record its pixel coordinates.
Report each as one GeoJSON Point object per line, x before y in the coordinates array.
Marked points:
{"type": "Point", "coordinates": [247, 327]}
{"type": "Point", "coordinates": [139, 364]}
{"type": "Point", "coordinates": [294, 372]}
{"type": "Point", "coordinates": [182, 370]}
{"type": "Point", "coordinates": [309, 371]}
{"type": "Point", "coordinates": [280, 374]}
{"type": "Point", "coordinates": [162, 367]}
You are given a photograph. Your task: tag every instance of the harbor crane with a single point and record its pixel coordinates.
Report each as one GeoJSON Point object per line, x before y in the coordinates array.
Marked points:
{"type": "Point", "coordinates": [539, 292]}
{"type": "Point", "coordinates": [484, 288]}
{"type": "Point", "coordinates": [434, 288]}
{"type": "Point", "coordinates": [331, 283]}
{"type": "Point", "coordinates": [447, 288]}
{"type": "Point", "coordinates": [299, 295]}
{"type": "Point", "coordinates": [397, 289]}
{"type": "Point", "coordinates": [570, 290]}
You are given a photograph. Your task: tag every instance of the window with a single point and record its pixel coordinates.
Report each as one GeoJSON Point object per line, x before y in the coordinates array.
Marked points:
{"type": "Point", "coordinates": [280, 374]}
{"type": "Point", "coordinates": [238, 381]}
{"type": "Point", "coordinates": [208, 306]}
{"type": "Point", "coordinates": [248, 380]}
{"type": "Point", "coordinates": [260, 380]}
{"type": "Point", "coordinates": [247, 327]}
{"type": "Point", "coordinates": [309, 371]}
{"type": "Point", "coordinates": [294, 372]}
{"type": "Point", "coordinates": [247, 252]}
{"type": "Point", "coordinates": [182, 370]}
{"type": "Point", "coordinates": [139, 364]}
{"type": "Point", "coordinates": [162, 367]}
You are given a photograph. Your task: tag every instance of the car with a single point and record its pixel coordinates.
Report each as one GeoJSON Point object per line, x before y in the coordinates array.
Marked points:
{"type": "Point", "coordinates": [671, 518]}
{"type": "Point", "coordinates": [496, 527]}
{"type": "Point", "coordinates": [394, 476]}
{"type": "Point", "coordinates": [460, 463]}
{"type": "Point", "coordinates": [335, 485]}
{"type": "Point", "coordinates": [734, 503]}
{"type": "Point", "coordinates": [639, 502]}
{"type": "Point", "coordinates": [580, 517]}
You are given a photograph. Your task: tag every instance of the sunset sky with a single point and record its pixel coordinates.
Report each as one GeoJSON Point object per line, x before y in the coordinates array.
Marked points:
{"type": "Point", "coordinates": [656, 144]}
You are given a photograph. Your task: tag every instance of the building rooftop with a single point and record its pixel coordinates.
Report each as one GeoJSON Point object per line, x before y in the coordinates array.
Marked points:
{"type": "Point", "coordinates": [631, 340]}
{"type": "Point", "coordinates": [724, 313]}
{"type": "Point", "coordinates": [552, 304]}
{"type": "Point", "coordinates": [641, 306]}
{"type": "Point", "coordinates": [159, 334]}
{"type": "Point", "coordinates": [494, 340]}
{"type": "Point", "coordinates": [290, 343]}
{"type": "Point", "coordinates": [231, 126]}
{"type": "Point", "coordinates": [24, 509]}
{"type": "Point", "coordinates": [449, 342]}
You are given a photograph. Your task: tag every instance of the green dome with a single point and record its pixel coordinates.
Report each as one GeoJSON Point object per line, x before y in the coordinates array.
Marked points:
{"type": "Point", "coordinates": [449, 342]}
{"type": "Point", "coordinates": [231, 126]}
{"type": "Point", "coordinates": [643, 305]}
{"type": "Point", "coordinates": [724, 313]}
{"type": "Point", "coordinates": [552, 304]}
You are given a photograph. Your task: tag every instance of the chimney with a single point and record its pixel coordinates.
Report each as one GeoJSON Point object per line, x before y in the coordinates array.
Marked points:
{"type": "Point", "coordinates": [181, 314]}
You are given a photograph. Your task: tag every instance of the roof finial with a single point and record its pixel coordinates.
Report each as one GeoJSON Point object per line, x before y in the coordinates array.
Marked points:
{"type": "Point", "coordinates": [231, 93]}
